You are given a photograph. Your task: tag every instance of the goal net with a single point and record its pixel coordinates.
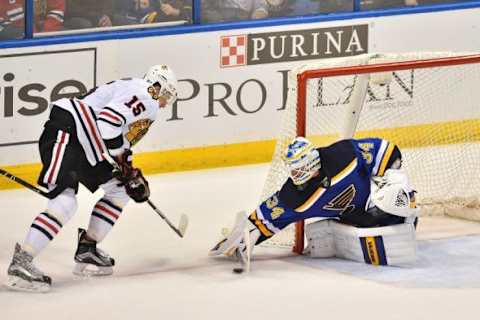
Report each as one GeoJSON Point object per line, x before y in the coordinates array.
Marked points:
{"type": "Point", "coordinates": [428, 104]}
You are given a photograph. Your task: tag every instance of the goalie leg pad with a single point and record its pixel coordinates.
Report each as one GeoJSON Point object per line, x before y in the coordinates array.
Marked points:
{"type": "Point", "coordinates": [321, 242]}
{"type": "Point", "coordinates": [392, 245]}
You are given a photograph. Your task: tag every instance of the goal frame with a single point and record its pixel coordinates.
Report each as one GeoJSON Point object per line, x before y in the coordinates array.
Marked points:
{"type": "Point", "coordinates": [306, 75]}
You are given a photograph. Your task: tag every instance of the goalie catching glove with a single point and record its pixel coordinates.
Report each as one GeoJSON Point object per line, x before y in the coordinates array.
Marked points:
{"type": "Point", "coordinates": [132, 178]}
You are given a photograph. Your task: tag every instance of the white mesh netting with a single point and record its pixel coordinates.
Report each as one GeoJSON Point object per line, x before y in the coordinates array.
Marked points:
{"type": "Point", "coordinates": [432, 114]}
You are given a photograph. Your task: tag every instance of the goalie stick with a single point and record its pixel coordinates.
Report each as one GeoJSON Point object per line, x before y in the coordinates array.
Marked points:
{"type": "Point", "coordinates": [182, 225]}
{"type": "Point", "coordinates": [245, 265]}
{"type": "Point", "coordinates": [229, 245]}
{"type": "Point", "coordinates": [49, 195]}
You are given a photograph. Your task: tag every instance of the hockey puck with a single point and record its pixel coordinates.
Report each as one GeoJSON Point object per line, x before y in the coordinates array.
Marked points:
{"type": "Point", "coordinates": [238, 270]}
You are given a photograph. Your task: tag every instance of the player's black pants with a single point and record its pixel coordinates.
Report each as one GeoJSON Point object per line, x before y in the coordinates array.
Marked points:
{"type": "Point", "coordinates": [64, 162]}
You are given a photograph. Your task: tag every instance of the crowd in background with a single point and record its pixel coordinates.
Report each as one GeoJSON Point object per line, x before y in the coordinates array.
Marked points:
{"type": "Point", "coordinates": [58, 15]}
{"type": "Point", "coordinates": [232, 10]}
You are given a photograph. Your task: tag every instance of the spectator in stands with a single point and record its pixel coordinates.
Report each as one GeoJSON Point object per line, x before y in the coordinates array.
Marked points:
{"type": "Point", "coordinates": [81, 14]}
{"type": "Point", "coordinates": [49, 15]}
{"type": "Point", "coordinates": [136, 11]}
{"type": "Point", "coordinates": [149, 11]}
{"type": "Point", "coordinates": [12, 19]}
{"type": "Point", "coordinates": [232, 10]}
{"type": "Point", "coordinates": [309, 7]}
{"type": "Point", "coordinates": [386, 4]}
{"type": "Point", "coordinates": [280, 8]}
{"type": "Point", "coordinates": [172, 10]}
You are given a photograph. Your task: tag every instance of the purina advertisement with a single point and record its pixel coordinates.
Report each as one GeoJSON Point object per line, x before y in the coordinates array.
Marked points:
{"type": "Point", "coordinates": [232, 83]}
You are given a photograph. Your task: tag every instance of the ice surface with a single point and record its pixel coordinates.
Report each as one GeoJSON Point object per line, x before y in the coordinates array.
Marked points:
{"type": "Point", "coordinates": [160, 276]}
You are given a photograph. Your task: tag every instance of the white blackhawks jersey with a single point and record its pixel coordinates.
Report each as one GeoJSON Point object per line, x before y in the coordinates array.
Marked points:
{"type": "Point", "coordinates": [121, 110]}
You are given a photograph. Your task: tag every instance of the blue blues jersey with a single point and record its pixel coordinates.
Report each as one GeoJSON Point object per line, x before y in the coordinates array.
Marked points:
{"type": "Point", "coordinates": [340, 190]}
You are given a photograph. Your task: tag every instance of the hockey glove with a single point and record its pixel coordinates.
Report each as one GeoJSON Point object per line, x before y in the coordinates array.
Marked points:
{"type": "Point", "coordinates": [125, 168]}
{"type": "Point", "coordinates": [132, 178]}
{"type": "Point", "coordinates": [137, 186]}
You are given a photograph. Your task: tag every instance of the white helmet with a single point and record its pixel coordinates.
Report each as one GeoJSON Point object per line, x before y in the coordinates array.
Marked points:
{"type": "Point", "coordinates": [165, 77]}
{"type": "Point", "coordinates": [302, 160]}
{"type": "Point", "coordinates": [394, 196]}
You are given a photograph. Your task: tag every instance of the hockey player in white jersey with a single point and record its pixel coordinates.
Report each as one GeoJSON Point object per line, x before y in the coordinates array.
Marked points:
{"type": "Point", "coordinates": [78, 137]}
{"type": "Point", "coordinates": [357, 188]}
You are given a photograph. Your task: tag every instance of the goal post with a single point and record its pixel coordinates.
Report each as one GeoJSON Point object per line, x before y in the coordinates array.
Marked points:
{"type": "Point", "coordinates": [426, 103]}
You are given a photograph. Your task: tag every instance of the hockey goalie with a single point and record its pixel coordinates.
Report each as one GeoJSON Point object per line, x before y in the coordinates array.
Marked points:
{"type": "Point", "coordinates": [357, 190]}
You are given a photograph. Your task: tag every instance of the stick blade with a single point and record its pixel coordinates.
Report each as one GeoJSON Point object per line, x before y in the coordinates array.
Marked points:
{"type": "Point", "coordinates": [183, 224]}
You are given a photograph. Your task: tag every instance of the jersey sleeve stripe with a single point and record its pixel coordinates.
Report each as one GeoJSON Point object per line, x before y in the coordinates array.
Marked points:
{"type": "Point", "coordinates": [310, 201]}
{"type": "Point", "coordinates": [93, 130]}
{"type": "Point", "coordinates": [118, 114]}
{"type": "Point", "coordinates": [267, 223]}
{"type": "Point", "coordinates": [386, 158]}
{"type": "Point", "coordinates": [110, 117]}
{"type": "Point", "coordinates": [345, 172]}
{"type": "Point", "coordinates": [317, 194]}
{"type": "Point", "coordinates": [378, 157]}
{"type": "Point", "coordinates": [110, 122]}
{"type": "Point", "coordinates": [83, 137]}
{"type": "Point", "coordinates": [263, 229]}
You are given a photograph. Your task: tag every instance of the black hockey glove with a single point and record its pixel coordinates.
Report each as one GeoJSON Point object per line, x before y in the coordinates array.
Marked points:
{"type": "Point", "coordinates": [125, 167]}
{"type": "Point", "coordinates": [132, 178]}
{"type": "Point", "coordinates": [137, 186]}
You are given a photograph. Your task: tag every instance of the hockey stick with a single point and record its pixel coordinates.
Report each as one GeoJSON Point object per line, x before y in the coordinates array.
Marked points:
{"type": "Point", "coordinates": [182, 225]}
{"type": "Point", "coordinates": [49, 195]}
{"type": "Point", "coordinates": [229, 246]}
{"type": "Point", "coordinates": [244, 265]}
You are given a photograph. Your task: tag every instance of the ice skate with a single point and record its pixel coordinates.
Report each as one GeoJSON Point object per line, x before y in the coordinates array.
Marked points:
{"type": "Point", "coordinates": [24, 276]}
{"type": "Point", "coordinates": [90, 260]}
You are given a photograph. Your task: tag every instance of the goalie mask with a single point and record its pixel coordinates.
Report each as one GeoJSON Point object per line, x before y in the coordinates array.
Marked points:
{"type": "Point", "coordinates": [394, 195]}
{"type": "Point", "coordinates": [164, 77]}
{"type": "Point", "coordinates": [302, 160]}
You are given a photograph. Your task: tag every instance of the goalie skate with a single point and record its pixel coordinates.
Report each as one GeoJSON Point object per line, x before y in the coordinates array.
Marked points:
{"type": "Point", "coordinates": [90, 260]}
{"type": "Point", "coordinates": [24, 276]}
